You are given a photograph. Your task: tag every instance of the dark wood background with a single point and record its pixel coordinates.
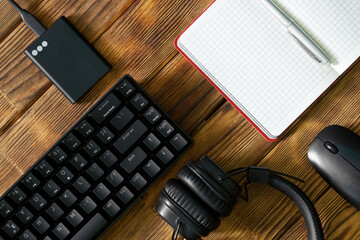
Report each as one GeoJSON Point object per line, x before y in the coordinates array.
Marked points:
{"type": "Point", "coordinates": [137, 37]}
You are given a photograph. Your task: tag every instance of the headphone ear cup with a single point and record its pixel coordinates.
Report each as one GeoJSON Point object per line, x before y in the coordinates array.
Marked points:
{"type": "Point", "coordinates": [227, 186]}
{"type": "Point", "coordinates": [201, 188]}
{"type": "Point", "coordinates": [177, 202]}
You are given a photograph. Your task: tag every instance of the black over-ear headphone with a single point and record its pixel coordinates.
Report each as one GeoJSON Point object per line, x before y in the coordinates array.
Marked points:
{"type": "Point", "coordinates": [204, 192]}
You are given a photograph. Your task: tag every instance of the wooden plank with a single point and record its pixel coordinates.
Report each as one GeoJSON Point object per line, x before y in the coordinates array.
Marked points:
{"type": "Point", "coordinates": [9, 172]}
{"type": "Point", "coordinates": [6, 108]}
{"type": "Point", "coordinates": [131, 227]}
{"type": "Point", "coordinates": [339, 219]}
{"type": "Point", "coordinates": [20, 81]}
{"type": "Point", "coordinates": [10, 18]}
{"type": "Point", "coordinates": [142, 40]}
{"type": "Point", "coordinates": [192, 106]}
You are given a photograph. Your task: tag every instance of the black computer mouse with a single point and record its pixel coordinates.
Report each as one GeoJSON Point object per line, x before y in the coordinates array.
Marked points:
{"type": "Point", "coordinates": [335, 154]}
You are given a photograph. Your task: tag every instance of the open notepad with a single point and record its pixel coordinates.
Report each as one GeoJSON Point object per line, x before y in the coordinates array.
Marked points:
{"type": "Point", "coordinates": [250, 57]}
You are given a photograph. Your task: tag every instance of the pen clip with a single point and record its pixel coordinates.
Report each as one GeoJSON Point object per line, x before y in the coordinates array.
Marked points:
{"type": "Point", "coordinates": [306, 49]}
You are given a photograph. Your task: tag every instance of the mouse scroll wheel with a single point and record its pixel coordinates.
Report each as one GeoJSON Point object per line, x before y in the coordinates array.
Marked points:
{"type": "Point", "coordinates": [331, 147]}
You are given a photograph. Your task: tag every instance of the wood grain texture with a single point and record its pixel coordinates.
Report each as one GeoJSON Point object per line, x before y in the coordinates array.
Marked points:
{"type": "Point", "coordinates": [137, 37]}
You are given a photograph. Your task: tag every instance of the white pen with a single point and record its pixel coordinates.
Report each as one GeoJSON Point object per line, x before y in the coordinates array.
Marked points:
{"type": "Point", "coordinates": [303, 39]}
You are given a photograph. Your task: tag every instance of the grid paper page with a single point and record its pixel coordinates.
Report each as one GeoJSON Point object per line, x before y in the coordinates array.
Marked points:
{"type": "Point", "coordinates": [250, 56]}
{"type": "Point", "coordinates": [334, 24]}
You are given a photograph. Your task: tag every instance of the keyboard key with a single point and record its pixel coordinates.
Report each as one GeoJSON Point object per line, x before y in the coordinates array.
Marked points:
{"type": "Point", "coordinates": [58, 155]}
{"type": "Point", "coordinates": [44, 168]}
{"type": "Point", "coordinates": [125, 88]}
{"type": "Point", "coordinates": [38, 202]}
{"type": "Point", "coordinates": [111, 208]}
{"type": "Point", "coordinates": [24, 215]}
{"type": "Point", "coordinates": [55, 212]}
{"type": "Point", "coordinates": [88, 205]}
{"type": "Point", "coordinates": [152, 142]}
{"type": "Point", "coordinates": [31, 182]}
{"type": "Point", "coordinates": [17, 195]}
{"type": "Point", "coordinates": [105, 135]}
{"type": "Point", "coordinates": [122, 118]}
{"type": "Point", "coordinates": [101, 191]}
{"type": "Point", "coordinates": [165, 155]}
{"type": "Point", "coordinates": [11, 229]}
{"type": "Point", "coordinates": [95, 172]}
{"type": "Point", "coordinates": [27, 235]}
{"type": "Point", "coordinates": [71, 142]}
{"type": "Point", "coordinates": [139, 102]}
{"type": "Point", "coordinates": [81, 185]}
{"type": "Point", "coordinates": [138, 182]}
{"type": "Point", "coordinates": [61, 232]}
{"type": "Point", "coordinates": [130, 136]}
{"type": "Point", "coordinates": [92, 149]}
{"type": "Point", "coordinates": [78, 161]}
{"type": "Point", "coordinates": [85, 129]}
{"type": "Point", "coordinates": [91, 228]}
{"type": "Point", "coordinates": [47, 238]}
{"type": "Point", "coordinates": [65, 175]}
{"type": "Point", "coordinates": [151, 168]}
{"type": "Point", "coordinates": [51, 188]}
{"type": "Point", "coordinates": [178, 142]}
{"type": "Point", "coordinates": [125, 195]}
{"type": "Point", "coordinates": [41, 225]}
{"type": "Point", "coordinates": [105, 108]}
{"type": "Point", "coordinates": [5, 209]}
{"type": "Point", "coordinates": [152, 115]}
{"type": "Point", "coordinates": [74, 218]}
{"type": "Point", "coordinates": [133, 160]}
{"type": "Point", "coordinates": [165, 128]}
{"type": "Point", "coordinates": [108, 158]}
{"type": "Point", "coordinates": [115, 178]}
{"type": "Point", "coordinates": [68, 198]}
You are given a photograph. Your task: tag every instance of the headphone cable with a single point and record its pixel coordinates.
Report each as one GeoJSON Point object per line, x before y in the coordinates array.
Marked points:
{"type": "Point", "coordinates": [236, 171]}
{"type": "Point", "coordinates": [176, 232]}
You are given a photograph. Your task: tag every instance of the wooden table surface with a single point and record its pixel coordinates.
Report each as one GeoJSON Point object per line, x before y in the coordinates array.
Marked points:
{"type": "Point", "coordinates": [136, 37]}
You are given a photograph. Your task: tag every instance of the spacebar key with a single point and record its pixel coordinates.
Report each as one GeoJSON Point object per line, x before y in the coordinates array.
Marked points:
{"type": "Point", "coordinates": [91, 229]}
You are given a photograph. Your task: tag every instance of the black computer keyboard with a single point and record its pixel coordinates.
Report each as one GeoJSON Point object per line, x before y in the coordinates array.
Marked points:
{"type": "Point", "coordinates": [93, 174]}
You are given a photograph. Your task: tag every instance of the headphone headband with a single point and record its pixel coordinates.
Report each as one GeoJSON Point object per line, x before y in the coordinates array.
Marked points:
{"type": "Point", "coordinates": [197, 188]}
{"type": "Point", "coordinates": [304, 204]}
{"type": "Point", "coordinates": [312, 220]}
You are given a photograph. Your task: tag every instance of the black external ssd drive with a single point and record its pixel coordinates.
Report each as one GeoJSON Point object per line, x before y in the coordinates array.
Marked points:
{"type": "Point", "coordinates": [67, 59]}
